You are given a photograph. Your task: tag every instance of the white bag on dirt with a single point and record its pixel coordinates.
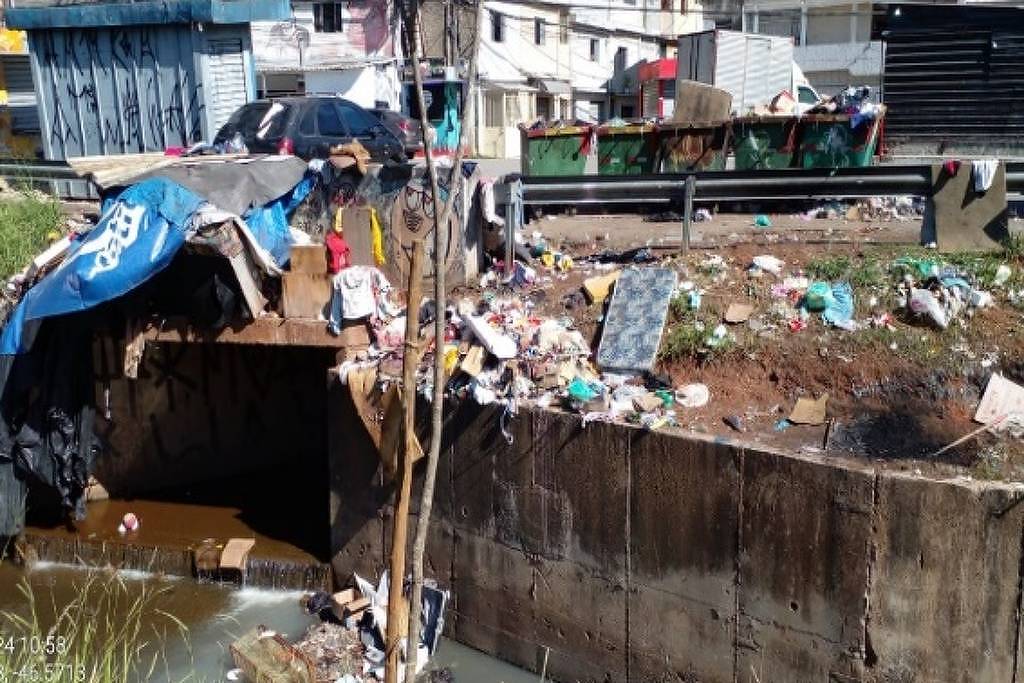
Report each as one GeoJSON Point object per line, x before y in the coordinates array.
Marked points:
{"type": "Point", "coordinates": [924, 302]}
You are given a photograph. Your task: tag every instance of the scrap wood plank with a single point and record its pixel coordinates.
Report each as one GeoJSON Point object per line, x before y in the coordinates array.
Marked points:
{"type": "Point", "coordinates": [636, 318]}
{"type": "Point", "coordinates": [262, 331]}
{"type": "Point", "coordinates": [236, 553]}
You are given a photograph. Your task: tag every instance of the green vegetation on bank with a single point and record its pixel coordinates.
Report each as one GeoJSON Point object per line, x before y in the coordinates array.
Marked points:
{"type": "Point", "coordinates": [28, 223]}
{"type": "Point", "coordinates": [108, 633]}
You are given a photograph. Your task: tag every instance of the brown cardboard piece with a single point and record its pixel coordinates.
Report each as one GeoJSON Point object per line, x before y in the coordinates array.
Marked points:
{"type": "Point", "coordinates": [598, 287]}
{"type": "Point", "coordinates": [646, 403]}
{"type": "Point", "coordinates": [738, 313]}
{"type": "Point", "coordinates": [355, 226]}
{"type": "Point", "coordinates": [236, 553]}
{"type": "Point", "coordinates": [701, 103]}
{"type": "Point", "coordinates": [473, 363]}
{"type": "Point", "coordinates": [809, 411]}
{"type": "Point", "coordinates": [391, 434]}
{"type": "Point", "coordinates": [306, 295]}
{"type": "Point", "coordinates": [1001, 398]}
{"type": "Point", "coordinates": [308, 258]}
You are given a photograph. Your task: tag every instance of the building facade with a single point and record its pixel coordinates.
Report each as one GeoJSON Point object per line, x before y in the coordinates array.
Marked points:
{"type": "Point", "coordinates": [340, 48]}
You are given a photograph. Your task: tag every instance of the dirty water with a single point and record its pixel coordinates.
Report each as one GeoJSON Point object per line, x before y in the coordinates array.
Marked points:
{"type": "Point", "coordinates": [214, 615]}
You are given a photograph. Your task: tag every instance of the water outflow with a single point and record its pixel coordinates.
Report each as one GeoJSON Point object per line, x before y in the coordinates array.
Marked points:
{"type": "Point", "coordinates": [261, 572]}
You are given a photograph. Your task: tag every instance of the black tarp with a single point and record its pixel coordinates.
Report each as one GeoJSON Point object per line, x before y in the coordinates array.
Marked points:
{"type": "Point", "coordinates": [46, 420]}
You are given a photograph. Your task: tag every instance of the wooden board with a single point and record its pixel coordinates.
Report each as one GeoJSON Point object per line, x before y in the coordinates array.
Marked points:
{"type": "Point", "coordinates": [306, 295]}
{"type": "Point", "coordinates": [356, 226]}
{"type": "Point", "coordinates": [261, 332]}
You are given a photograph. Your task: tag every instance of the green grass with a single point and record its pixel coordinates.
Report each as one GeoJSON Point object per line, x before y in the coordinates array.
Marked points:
{"type": "Point", "coordinates": [684, 337]}
{"type": "Point", "coordinates": [107, 633]}
{"type": "Point", "coordinates": [27, 225]}
{"type": "Point", "coordinates": [829, 268]}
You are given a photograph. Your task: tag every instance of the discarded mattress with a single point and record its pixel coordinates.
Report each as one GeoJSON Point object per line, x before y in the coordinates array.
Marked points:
{"type": "Point", "coordinates": [636, 318]}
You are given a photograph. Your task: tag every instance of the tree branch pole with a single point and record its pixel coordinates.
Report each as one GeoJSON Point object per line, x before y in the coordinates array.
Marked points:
{"type": "Point", "coordinates": [397, 630]}
{"type": "Point", "coordinates": [437, 407]}
{"type": "Point", "coordinates": [399, 532]}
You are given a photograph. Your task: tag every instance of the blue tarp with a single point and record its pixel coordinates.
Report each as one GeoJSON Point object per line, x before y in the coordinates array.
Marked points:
{"type": "Point", "coordinates": [136, 237]}
{"type": "Point", "coordinates": [269, 223]}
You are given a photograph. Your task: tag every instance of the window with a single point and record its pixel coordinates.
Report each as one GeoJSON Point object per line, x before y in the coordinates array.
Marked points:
{"type": "Point", "coordinates": [327, 17]}
{"type": "Point", "coordinates": [255, 118]}
{"type": "Point", "coordinates": [358, 121]}
{"type": "Point", "coordinates": [563, 27]}
{"type": "Point", "coordinates": [595, 49]}
{"type": "Point", "coordinates": [666, 5]}
{"type": "Point", "coordinates": [308, 124]}
{"type": "Point", "coordinates": [806, 95]}
{"type": "Point", "coordinates": [497, 27]}
{"type": "Point", "coordinates": [621, 56]}
{"type": "Point", "coordinates": [538, 31]}
{"type": "Point", "coordinates": [328, 121]}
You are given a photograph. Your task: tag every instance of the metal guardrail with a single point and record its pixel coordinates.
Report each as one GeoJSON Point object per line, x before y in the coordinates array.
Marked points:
{"type": "Point", "coordinates": [662, 188]}
{"type": "Point", "coordinates": [36, 169]}
{"type": "Point", "coordinates": [743, 185]}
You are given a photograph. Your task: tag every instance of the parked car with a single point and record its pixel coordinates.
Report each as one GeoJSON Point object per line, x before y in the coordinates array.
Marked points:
{"type": "Point", "coordinates": [308, 127]}
{"type": "Point", "coordinates": [405, 128]}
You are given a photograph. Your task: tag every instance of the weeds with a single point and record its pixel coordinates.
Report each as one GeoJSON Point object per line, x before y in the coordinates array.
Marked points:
{"type": "Point", "coordinates": [829, 268]}
{"type": "Point", "coordinates": [27, 224]}
{"type": "Point", "coordinates": [689, 332]}
{"type": "Point", "coordinates": [107, 633]}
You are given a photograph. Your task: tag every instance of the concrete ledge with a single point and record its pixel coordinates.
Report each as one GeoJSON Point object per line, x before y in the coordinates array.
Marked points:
{"type": "Point", "coordinates": [636, 556]}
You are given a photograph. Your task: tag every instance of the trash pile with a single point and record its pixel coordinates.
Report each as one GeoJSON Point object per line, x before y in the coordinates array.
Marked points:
{"type": "Point", "coordinates": [888, 209]}
{"type": "Point", "coordinates": [348, 644]}
{"type": "Point", "coordinates": [852, 101]}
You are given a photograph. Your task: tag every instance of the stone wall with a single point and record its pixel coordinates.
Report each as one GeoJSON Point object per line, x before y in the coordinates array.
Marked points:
{"type": "Point", "coordinates": [636, 556]}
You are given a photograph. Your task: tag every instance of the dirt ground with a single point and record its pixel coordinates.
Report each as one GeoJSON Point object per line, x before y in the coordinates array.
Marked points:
{"type": "Point", "coordinates": [896, 393]}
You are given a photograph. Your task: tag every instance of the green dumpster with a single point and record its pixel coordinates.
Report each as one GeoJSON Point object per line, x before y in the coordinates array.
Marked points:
{"type": "Point", "coordinates": [559, 151]}
{"type": "Point", "coordinates": [631, 149]}
{"type": "Point", "coordinates": [692, 147]}
{"type": "Point", "coordinates": [829, 141]}
{"type": "Point", "coordinates": [765, 141]}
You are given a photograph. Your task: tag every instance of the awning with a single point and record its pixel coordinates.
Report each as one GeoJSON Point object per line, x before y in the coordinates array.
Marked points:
{"type": "Point", "coordinates": [553, 86]}
{"type": "Point", "coordinates": [508, 86]}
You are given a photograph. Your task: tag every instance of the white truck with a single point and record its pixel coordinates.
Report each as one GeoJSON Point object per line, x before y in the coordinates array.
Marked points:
{"type": "Point", "coordinates": [752, 67]}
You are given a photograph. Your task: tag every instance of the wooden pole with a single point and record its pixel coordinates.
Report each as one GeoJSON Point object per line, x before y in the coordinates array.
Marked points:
{"type": "Point", "coordinates": [410, 361]}
{"type": "Point", "coordinates": [437, 407]}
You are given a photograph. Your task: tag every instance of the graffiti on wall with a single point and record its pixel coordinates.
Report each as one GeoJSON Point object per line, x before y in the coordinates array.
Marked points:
{"type": "Point", "coordinates": [412, 217]}
{"type": "Point", "coordinates": [131, 89]}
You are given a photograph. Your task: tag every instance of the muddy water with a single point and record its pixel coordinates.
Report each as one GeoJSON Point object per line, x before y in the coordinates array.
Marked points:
{"type": "Point", "coordinates": [216, 614]}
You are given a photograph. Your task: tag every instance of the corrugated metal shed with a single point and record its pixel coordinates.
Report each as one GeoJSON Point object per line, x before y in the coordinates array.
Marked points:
{"type": "Point", "coordinates": [137, 88]}
{"type": "Point", "coordinates": [47, 14]}
{"type": "Point", "coordinates": [954, 79]}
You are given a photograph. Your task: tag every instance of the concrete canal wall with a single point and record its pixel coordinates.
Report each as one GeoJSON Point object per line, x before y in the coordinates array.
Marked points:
{"type": "Point", "coordinates": [624, 555]}
{"type": "Point", "coordinates": [639, 556]}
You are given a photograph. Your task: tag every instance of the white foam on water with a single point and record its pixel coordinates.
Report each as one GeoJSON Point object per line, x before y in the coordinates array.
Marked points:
{"type": "Point", "coordinates": [126, 574]}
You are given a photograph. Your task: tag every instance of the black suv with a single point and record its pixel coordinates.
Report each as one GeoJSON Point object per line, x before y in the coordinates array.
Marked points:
{"type": "Point", "coordinates": [308, 127]}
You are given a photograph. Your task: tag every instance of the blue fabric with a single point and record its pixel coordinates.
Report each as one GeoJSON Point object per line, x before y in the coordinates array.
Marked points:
{"type": "Point", "coordinates": [269, 223]}
{"type": "Point", "coordinates": [448, 131]}
{"type": "Point", "coordinates": [839, 311]}
{"type": "Point", "coordinates": [136, 237]}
